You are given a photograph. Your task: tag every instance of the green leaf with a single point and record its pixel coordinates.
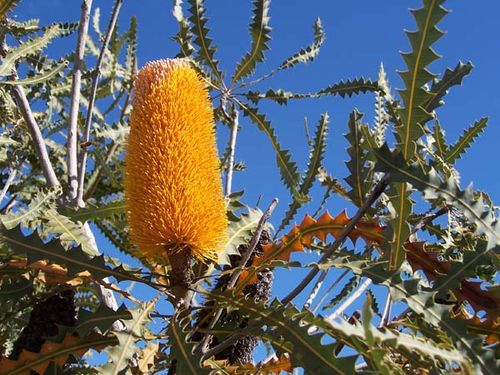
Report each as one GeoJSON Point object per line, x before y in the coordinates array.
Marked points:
{"type": "Point", "coordinates": [43, 76]}
{"type": "Point", "coordinates": [316, 156]}
{"type": "Point", "coordinates": [414, 95]}
{"type": "Point", "coordinates": [346, 290]}
{"type": "Point", "coordinates": [285, 329]}
{"type": "Point", "coordinates": [464, 142]}
{"type": "Point", "coordinates": [184, 36]}
{"type": "Point", "coordinates": [450, 78]}
{"type": "Point", "coordinates": [260, 31]}
{"type": "Point", "coordinates": [361, 174]}
{"type": "Point", "coordinates": [288, 169]}
{"type": "Point", "coordinates": [31, 216]}
{"type": "Point", "coordinates": [186, 362]}
{"type": "Point", "coordinates": [206, 53]}
{"type": "Point", "coordinates": [439, 141]}
{"type": "Point", "coordinates": [240, 231]}
{"type": "Point", "coordinates": [92, 213]}
{"type": "Point", "coordinates": [28, 48]}
{"type": "Point", "coordinates": [135, 330]}
{"type": "Point", "coordinates": [103, 319]}
{"type": "Point", "coordinates": [75, 259]}
{"type": "Point", "coordinates": [309, 53]}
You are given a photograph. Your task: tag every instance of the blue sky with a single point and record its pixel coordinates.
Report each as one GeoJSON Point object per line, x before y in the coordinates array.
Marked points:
{"type": "Point", "coordinates": [360, 35]}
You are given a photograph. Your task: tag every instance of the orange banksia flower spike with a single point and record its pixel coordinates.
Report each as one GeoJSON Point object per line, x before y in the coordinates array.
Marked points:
{"type": "Point", "coordinates": [172, 178]}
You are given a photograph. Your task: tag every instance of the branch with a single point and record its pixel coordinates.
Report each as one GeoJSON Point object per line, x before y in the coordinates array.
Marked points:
{"type": "Point", "coordinates": [335, 283]}
{"type": "Point", "coordinates": [232, 149]}
{"type": "Point", "coordinates": [75, 101]}
{"type": "Point", "coordinates": [92, 99]}
{"type": "Point", "coordinates": [203, 345]}
{"type": "Point", "coordinates": [36, 134]}
{"type": "Point", "coordinates": [387, 311]}
{"type": "Point", "coordinates": [377, 191]}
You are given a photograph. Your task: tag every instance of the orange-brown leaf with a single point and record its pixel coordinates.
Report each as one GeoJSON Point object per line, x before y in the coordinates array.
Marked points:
{"type": "Point", "coordinates": [52, 352]}
{"type": "Point", "coordinates": [303, 235]}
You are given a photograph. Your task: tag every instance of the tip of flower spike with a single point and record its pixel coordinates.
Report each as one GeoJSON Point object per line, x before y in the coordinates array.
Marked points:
{"type": "Point", "coordinates": [155, 71]}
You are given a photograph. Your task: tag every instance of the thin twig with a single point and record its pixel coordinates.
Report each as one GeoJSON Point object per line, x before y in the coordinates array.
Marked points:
{"type": "Point", "coordinates": [316, 289]}
{"type": "Point", "coordinates": [232, 148]}
{"type": "Point", "coordinates": [349, 301]}
{"type": "Point", "coordinates": [93, 91]}
{"type": "Point", "coordinates": [387, 311]}
{"type": "Point", "coordinates": [203, 345]}
{"type": "Point", "coordinates": [72, 146]}
{"type": "Point", "coordinates": [377, 191]}
{"type": "Point", "coordinates": [9, 181]}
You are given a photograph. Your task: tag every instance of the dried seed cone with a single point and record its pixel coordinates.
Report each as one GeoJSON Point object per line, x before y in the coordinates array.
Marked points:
{"type": "Point", "coordinates": [172, 178]}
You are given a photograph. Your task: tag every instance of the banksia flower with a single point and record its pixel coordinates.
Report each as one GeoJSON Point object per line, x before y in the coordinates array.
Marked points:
{"type": "Point", "coordinates": [172, 179]}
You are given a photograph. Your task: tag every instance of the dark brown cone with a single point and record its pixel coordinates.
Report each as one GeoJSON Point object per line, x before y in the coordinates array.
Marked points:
{"type": "Point", "coordinates": [57, 309]}
{"type": "Point", "coordinates": [242, 350]}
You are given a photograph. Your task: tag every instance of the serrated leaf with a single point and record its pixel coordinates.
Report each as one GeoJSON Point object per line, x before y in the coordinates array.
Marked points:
{"type": "Point", "coordinates": [103, 319]}
{"type": "Point", "coordinates": [316, 156]}
{"type": "Point", "coordinates": [450, 78]}
{"type": "Point", "coordinates": [29, 47]}
{"type": "Point", "coordinates": [240, 231]}
{"type": "Point", "coordinates": [52, 352]}
{"type": "Point", "coordinates": [309, 53]}
{"type": "Point", "coordinates": [466, 139]}
{"type": "Point", "coordinates": [135, 329]}
{"type": "Point", "coordinates": [75, 260]}
{"type": "Point", "coordinates": [186, 362]}
{"type": "Point", "coordinates": [344, 292]}
{"type": "Point", "coordinates": [183, 37]}
{"type": "Point", "coordinates": [301, 236]}
{"type": "Point", "coordinates": [439, 141]}
{"type": "Point", "coordinates": [284, 328]}
{"type": "Point", "coordinates": [206, 53]}
{"type": "Point", "coordinates": [260, 32]}
{"type": "Point", "coordinates": [41, 77]}
{"type": "Point", "coordinates": [91, 212]}
{"type": "Point", "coordinates": [360, 179]}
{"type": "Point", "coordinates": [414, 95]}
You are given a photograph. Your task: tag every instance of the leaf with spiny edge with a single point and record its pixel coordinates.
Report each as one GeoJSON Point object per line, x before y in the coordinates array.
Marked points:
{"type": "Point", "coordinates": [309, 53]}
{"type": "Point", "coordinates": [284, 328]}
{"type": "Point", "coordinates": [260, 31]}
{"type": "Point", "coordinates": [41, 77]}
{"type": "Point", "coordinates": [184, 36]}
{"type": "Point", "coordinates": [240, 231]}
{"type": "Point", "coordinates": [466, 139]}
{"type": "Point", "coordinates": [360, 179]}
{"type": "Point", "coordinates": [316, 156]}
{"type": "Point", "coordinates": [181, 351]}
{"type": "Point", "coordinates": [301, 236]}
{"type": "Point", "coordinates": [346, 289]}
{"type": "Point", "coordinates": [273, 366]}
{"type": "Point", "coordinates": [421, 302]}
{"type": "Point", "coordinates": [28, 48]}
{"type": "Point", "coordinates": [434, 189]}
{"type": "Point", "coordinates": [103, 319]}
{"type": "Point", "coordinates": [75, 260]}
{"type": "Point", "coordinates": [206, 52]}
{"type": "Point", "coordinates": [54, 352]}
{"type": "Point", "coordinates": [288, 168]}
{"type": "Point", "coordinates": [451, 77]}
{"type": "Point", "coordinates": [441, 147]}
{"type": "Point", "coordinates": [135, 330]}
{"type": "Point", "coordinates": [381, 115]}
{"type": "Point", "coordinates": [92, 212]}
{"type": "Point", "coordinates": [414, 95]}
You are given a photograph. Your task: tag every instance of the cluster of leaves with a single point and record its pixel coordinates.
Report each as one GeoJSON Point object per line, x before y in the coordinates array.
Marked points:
{"type": "Point", "coordinates": [440, 277]}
